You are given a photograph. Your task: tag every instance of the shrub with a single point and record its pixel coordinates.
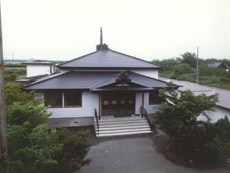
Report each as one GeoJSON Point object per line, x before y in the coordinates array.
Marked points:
{"type": "Point", "coordinates": [74, 148]}
{"type": "Point", "coordinates": [10, 77]}
{"type": "Point", "coordinates": [182, 69]}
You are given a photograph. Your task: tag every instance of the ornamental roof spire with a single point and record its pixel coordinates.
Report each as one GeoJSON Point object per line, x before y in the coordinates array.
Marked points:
{"type": "Point", "coordinates": [101, 41]}
{"type": "Point", "coordinates": [101, 46]}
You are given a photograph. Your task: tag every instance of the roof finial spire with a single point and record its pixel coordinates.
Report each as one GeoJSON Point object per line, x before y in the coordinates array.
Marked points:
{"type": "Point", "coordinates": [102, 46]}
{"type": "Point", "coordinates": [101, 40]}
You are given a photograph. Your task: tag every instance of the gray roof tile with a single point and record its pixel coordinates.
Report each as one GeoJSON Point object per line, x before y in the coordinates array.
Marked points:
{"type": "Point", "coordinates": [91, 80]}
{"type": "Point", "coordinates": [108, 59]}
{"type": "Point", "coordinates": [224, 95]}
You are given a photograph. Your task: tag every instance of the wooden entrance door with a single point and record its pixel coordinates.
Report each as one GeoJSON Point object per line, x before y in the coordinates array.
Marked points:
{"type": "Point", "coordinates": [121, 103]}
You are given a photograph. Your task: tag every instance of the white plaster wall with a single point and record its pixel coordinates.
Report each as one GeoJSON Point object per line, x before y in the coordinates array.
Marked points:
{"type": "Point", "coordinates": [149, 108]}
{"type": "Point", "coordinates": [218, 114]}
{"type": "Point", "coordinates": [40, 96]}
{"type": "Point", "coordinates": [89, 102]}
{"type": "Point", "coordinates": [34, 70]}
{"type": "Point", "coordinates": [151, 73]}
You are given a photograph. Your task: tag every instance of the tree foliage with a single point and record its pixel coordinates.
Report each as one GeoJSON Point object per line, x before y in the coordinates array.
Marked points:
{"type": "Point", "coordinates": [189, 58]}
{"type": "Point", "coordinates": [32, 145]}
{"type": "Point", "coordinates": [179, 115]}
{"type": "Point", "coordinates": [30, 152]}
{"type": "Point", "coordinates": [182, 69]}
{"type": "Point", "coordinates": [209, 76]}
{"type": "Point", "coordinates": [205, 144]}
{"type": "Point", "coordinates": [13, 93]}
{"type": "Point", "coordinates": [74, 149]}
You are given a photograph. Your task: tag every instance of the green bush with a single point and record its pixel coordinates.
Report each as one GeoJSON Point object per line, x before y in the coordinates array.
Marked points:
{"type": "Point", "coordinates": [14, 65]}
{"type": "Point", "coordinates": [182, 69]}
{"type": "Point", "coordinates": [10, 77]}
{"type": "Point", "coordinates": [187, 77]}
{"type": "Point", "coordinates": [204, 144]}
{"type": "Point", "coordinates": [74, 148]}
{"type": "Point", "coordinates": [21, 71]}
{"type": "Point", "coordinates": [15, 71]}
{"type": "Point", "coordinates": [225, 80]}
{"type": "Point", "coordinates": [29, 151]}
{"type": "Point", "coordinates": [32, 146]}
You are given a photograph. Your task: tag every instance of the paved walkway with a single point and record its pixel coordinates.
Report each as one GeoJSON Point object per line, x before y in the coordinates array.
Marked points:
{"type": "Point", "coordinates": [132, 154]}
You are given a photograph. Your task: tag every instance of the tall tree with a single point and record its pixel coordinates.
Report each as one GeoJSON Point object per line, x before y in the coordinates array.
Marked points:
{"type": "Point", "coordinates": [179, 111]}
{"type": "Point", "coordinates": [189, 58]}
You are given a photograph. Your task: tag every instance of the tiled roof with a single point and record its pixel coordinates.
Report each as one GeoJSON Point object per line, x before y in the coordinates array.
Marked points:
{"type": "Point", "coordinates": [91, 80]}
{"type": "Point", "coordinates": [224, 95]}
{"type": "Point", "coordinates": [108, 59]}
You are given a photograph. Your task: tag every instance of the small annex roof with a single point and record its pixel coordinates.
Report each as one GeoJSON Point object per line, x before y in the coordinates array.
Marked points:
{"type": "Point", "coordinates": [198, 89]}
{"type": "Point", "coordinates": [94, 81]}
{"type": "Point", "coordinates": [39, 62]}
{"type": "Point", "coordinates": [217, 64]}
{"type": "Point", "coordinates": [106, 58]}
{"type": "Point", "coordinates": [37, 78]}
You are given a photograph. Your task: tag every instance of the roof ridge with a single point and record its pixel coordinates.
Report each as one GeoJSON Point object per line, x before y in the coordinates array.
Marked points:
{"type": "Point", "coordinates": [136, 58]}
{"type": "Point", "coordinates": [78, 58]}
{"type": "Point", "coordinates": [139, 59]}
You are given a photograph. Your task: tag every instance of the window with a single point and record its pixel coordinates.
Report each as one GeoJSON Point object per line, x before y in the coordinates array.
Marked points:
{"type": "Point", "coordinates": [73, 98]}
{"type": "Point", "coordinates": [53, 98]}
{"type": "Point", "coordinates": [153, 98]}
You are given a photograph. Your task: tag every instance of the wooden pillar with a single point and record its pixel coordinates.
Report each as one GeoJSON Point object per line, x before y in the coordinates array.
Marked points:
{"type": "Point", "coordinates": [99, 106]}
{"type": "Point", "coordinates": [143, 98]}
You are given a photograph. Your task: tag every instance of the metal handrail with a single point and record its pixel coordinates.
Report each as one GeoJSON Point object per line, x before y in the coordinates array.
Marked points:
{"type": "Point", "coordinates": [96, 117]}
{"type": "Point", "coordinates": [146, 115]}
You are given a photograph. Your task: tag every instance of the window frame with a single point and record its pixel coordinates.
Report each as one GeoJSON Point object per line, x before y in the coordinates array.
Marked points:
{"type": "Point", "coordinates": [53, 94]}
{"type": "Point", "coordinates": [74, 93]}
{"type": "Point", "coordinates": [157, 98]}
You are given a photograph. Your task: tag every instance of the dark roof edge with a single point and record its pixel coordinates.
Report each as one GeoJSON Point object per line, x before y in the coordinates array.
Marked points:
{"type": "Point", "coordinates": [110, 67]}
{"type": "Point", "coordinates": [223, 107]}
{"type": "Point", "coordinates": [77, 58]}
{"type": "Point", "coordinates": [177, 86]}
{"type": "Point", "coordinates": [45, 79]}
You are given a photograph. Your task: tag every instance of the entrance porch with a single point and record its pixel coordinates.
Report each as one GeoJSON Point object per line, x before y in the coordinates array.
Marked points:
{"type": "Point", "coordinates": [118, 103]}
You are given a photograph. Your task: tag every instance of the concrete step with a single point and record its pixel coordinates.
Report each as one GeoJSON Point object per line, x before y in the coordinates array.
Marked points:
{"type": "Point", "coordinates": [120, 122]}
{"type": "Point", "coordinates": [122, 127]}
{"type": "Point", "coordinates": [122, 134]}
{"type": "Point", "coordinates": [124, 130]}
{"type": "Point", "coordinates": [118, 127]}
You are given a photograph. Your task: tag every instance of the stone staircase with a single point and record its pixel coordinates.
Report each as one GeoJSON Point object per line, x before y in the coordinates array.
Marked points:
{"type": "Point", "coordinates": [122, 126]}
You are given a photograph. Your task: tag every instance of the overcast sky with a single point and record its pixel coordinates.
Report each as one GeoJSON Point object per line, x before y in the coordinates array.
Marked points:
{"type": "Point", "coordinates": [154, 29]}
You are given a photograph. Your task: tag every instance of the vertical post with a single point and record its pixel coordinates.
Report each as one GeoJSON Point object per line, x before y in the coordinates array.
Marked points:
{"type": "Point", "coordinates": [142, 110]}
{"type": "Point", "coordinates": [197, 65]}
{"type": "Point", "coordinates": [3, 138]}
{"type": "Point", "coordinates": [99, 106]}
